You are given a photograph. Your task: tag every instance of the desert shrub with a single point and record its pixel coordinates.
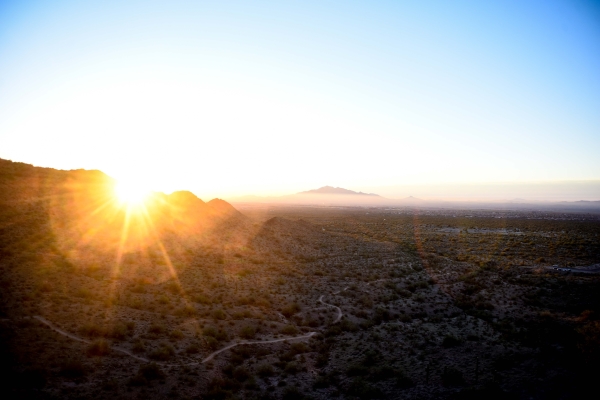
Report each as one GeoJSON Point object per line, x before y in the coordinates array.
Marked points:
{"type": "Point", "coordinates": [450, 341]}
{"type": "Point", "coordinates": [290, 309]}
{"type": "Point", "coordinates": [119, 331]}
{"type": "Point", "coordinates": [151, 371]}
{"type": "Point", "coordinates": [405, 318]}
{"type": "Point", "coordinates": [348, 326]}
{"type": "Point", "coordinates": [98, 347]}
{"type": "Point", "coordinates": [247, 332]}
{"type": "Point", "coordinates": [220, 385]}
{"type": "Point", "coordinates": [244, 352]}
{"type": "Point", "coordinates": [357, 370]}
{"type": "Point", "coordinates": [138, 347]}
{"type": "Point", "coordinates": [211, 342]}
{"type": "Point", "coordinates": [137, 380]}
{"type": "Point", "coordinates": [163, 352]}
{"type": "Point", "coordinates": [173, 287]}
{"type": "Point", "coordinates": [73, 369]}
{"type": "Point", "coordinates": [265, 370]}
{"type": "Point", "coordinates": [366, 301]}
{"type": "Point", "coordinates": [263, 303]}
{"type": "Point", "coordinates": [111, 384]}
{"type": "Point", "coordinates": [291, 368]}
{"type": "Point", "coordinates": [186, 311]}
{"type": "Point", "coordinates": [363, 390]}
{"type": "Point", "coordinates": [292, 393]}
{"type": "Point", "coordinates": [202, 299]}
{"type": "Point", "coordinates": [156, 328]}
{"type": "Point", "coordinates": [210, 331]}
{"type": "Point", "coordinates": [176, 334]}
{"type": "Point", "coordinates": [240, 374]}
{"type": "Point", "coordinates": [371, 358]}
{"type": "Point", "coordinates": [251, 384]}
{"type": "Point", "coordinates": [310, 321]}
{"type": "Point", "coordinates": [192, 349]}
{"type": "Point", "coordinates": [83, 293]}
{"type": "Point", "coordinates": [289, 330]}
{"type": "Point", "coordinates": [139, 288]}
{"type": "Point", "coordinates": [92, 330]}
{"type": "Point", "coordinates": [298, 348]}
{"type": "Point", "coordinates": [45, 287]}
{"type": "Point", "coordinates": [452, 377]}
{"type": "Point", "coordinates": [163, 299]}
{"type": "Point", "coordinates": [403, 381]}
{"type": "Point", "coordinates": [382, 373]}
{"type": "Point", "coordinates": [218, 314]}
{"type": "Point", "coordinates": [381, 315]}
{"type": "Point", "coordinates": [322, 382]}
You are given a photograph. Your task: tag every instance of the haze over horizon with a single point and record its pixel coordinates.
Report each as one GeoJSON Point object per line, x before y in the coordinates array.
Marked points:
{"type": "Point", "coordinates": [430, 99]}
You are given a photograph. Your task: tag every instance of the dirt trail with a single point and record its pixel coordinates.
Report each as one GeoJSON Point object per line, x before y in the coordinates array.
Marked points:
{"type": "Point", "coordinates": [212, 355]}
{"type": "Point", "coordinates": [339, 310]}
{"type": "Point", "coordinates": [79, 339]}
{"type": "Point", "coordinates": [208, 358]}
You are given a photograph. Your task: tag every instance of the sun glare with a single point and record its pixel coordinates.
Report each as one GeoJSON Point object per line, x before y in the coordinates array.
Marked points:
{"type": "Point", "coordinates": [131, 193]}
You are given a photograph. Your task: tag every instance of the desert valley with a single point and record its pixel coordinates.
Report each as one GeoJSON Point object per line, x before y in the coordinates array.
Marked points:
{"type": "Point", "coordinates": [181, 298]}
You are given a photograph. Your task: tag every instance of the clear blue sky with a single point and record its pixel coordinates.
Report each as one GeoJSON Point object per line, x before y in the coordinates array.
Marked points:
{"type": "Point", "coordinates": [250, 97]}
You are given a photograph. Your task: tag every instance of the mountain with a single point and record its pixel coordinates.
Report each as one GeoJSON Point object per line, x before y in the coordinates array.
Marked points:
{"type": "Point", "coordinates": [330, 190]}
{"type": "Point", "coordinates": [332, 196]}
{"type": "Point", "coordinates": [75, 216]}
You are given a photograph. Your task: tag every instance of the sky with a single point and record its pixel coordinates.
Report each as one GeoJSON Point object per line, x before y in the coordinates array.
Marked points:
{"type": "Point", "coordinates": [235, 98]}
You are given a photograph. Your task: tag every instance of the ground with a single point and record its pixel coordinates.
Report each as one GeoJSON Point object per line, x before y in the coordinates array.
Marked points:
{"type": "Point", "coordinates": [433, 304]}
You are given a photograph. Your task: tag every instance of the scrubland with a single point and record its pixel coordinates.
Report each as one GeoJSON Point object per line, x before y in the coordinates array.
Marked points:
{"type": "Point", "coordinates": [433, 305]}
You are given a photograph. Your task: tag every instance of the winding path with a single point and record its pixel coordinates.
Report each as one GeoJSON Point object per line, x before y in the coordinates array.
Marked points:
{"type": "Point", "coordinates": [79, 339]}
{"type": "Point", "coordinates": [206, 359]}
{"type": "Point", "coordinates": [339, 310]}
{"type": "Point", "coordinates": [211, 355]}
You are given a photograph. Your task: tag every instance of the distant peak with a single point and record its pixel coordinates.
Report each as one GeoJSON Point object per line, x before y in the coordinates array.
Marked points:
{"type": "Point", "coordinates": [337, 190]}
{"type": "Point", "coordinates": [412, 199]}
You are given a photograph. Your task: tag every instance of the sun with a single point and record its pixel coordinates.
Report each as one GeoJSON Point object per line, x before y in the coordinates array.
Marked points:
{"type": "Point", "coordinates": [131, 192]}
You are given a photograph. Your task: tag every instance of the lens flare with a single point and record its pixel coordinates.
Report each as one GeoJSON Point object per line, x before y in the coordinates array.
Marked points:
{"type": "Point", "coordinates": [131, 192]}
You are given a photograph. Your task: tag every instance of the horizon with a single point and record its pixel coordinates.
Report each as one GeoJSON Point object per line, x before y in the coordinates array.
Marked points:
{"type": "Point", "coordinates": [429, 99]}
{"type": "Point", "coordinates": [497, 192]}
